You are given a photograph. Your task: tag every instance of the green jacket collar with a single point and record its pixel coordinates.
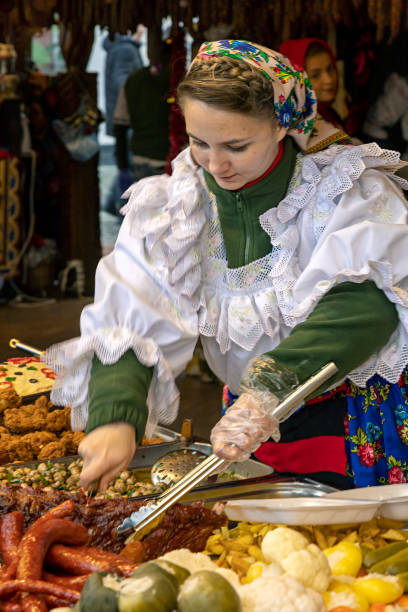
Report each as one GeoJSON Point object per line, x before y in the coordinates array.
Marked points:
{"type": "Point", "coordinates": [239, 211]}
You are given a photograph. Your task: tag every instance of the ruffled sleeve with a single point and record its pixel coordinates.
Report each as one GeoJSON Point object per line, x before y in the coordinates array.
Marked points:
{"type": "Point", "coordinates": [146, 295]}
{"type": "Point", "coordinates": [346, 221]}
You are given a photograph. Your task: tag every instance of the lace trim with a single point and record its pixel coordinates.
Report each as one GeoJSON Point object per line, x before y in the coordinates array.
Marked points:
{"type": "Point", "coordinates": [168, 213]}
{"type": "Point", "coordinates": [258, 298]}
{"type": "Point", "coordinates": [393, 357]}
{"type": "Point", "coordinates": [72, 362]}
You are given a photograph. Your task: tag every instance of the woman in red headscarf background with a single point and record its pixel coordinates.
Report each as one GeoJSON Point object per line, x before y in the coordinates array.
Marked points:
{"type": "Point", "coordinates": [317, 58]}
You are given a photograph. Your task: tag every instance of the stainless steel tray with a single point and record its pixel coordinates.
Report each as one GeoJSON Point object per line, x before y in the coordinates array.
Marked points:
{"type": "Point", "coordinates": [265, 487]}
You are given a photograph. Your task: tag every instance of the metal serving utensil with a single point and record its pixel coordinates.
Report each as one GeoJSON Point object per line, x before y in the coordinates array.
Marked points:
{"type": "Point", "coordinates": [171, 467]}
{"type": "Point", "coordinates": [142, 518]}
{"type": "Point", "coordinates": [17, 344]}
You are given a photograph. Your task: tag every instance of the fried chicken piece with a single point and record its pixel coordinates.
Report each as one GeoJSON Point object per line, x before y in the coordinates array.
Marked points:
{"type": "Point", "coordinates": [52, 450]}
{"type": "Point", "coordinates": [38, 439]}
{"type": "Point", "coordinates": [43, 402]}
{"type": "Point", "coordinates": [58, 420]}
{"type": "Point", "coordinates": [26, 418]}
{"type": "Point", "coordinates": [4, 455]}
{"type": "Point", "coordinates": [72, 440]}
{"type": "Point", "coordinates": [9, 399]}
{"type": "Point", "coordinates": [5, 438]}
{"type": "Point", "coordinates": [3, 430]}
{"type": "Point", "coordinates": [20, 450]}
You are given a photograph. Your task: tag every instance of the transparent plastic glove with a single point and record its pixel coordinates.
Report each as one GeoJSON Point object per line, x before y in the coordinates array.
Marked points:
{"type": "Point", "coordinates": [266, 375]}
{"type": "Point", "coordinates": [126, 179]}
{"type": "Point", "coordinates": [106, 451]}
{"type": "Point", "coordinates": [244, 427]}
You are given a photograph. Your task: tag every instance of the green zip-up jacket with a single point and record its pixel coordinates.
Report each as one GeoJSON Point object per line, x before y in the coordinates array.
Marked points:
{"type": "Point", "coordinates": [349, 324]}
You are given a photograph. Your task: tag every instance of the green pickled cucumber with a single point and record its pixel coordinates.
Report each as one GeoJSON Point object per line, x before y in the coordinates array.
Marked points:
{"type": "Point", "coordinates": [403, 578]}
{"type": "Point", "coordinates": [371, 557]}
{"type": "Point", "coordinates": [396, 564]}
{"type": "Point", "coordinates": [207, 591]}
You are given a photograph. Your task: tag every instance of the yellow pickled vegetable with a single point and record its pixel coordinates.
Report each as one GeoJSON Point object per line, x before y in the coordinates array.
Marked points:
{"type": "Point", "coordinates": [377, 588]}
{"type": "Point", "coordinates": [345, 595]}
{"type": "Point", "coordinates": [255, 571]}
{"type": "Point", "coordinates": [344, 558]}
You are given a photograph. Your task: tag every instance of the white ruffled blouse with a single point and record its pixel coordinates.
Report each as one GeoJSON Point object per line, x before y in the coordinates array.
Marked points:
{"type": "Point", "coordinates": [166, 283]}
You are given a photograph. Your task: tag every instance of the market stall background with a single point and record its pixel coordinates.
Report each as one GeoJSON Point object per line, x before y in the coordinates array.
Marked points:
{"type": "Point", "coordinates": [368, 36]}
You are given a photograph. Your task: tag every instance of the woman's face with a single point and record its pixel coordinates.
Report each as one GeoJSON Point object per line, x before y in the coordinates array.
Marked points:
{"type": "Point", "coordinates": [234, 148]}
{"type": "Point", "coordinates": [323, 76]}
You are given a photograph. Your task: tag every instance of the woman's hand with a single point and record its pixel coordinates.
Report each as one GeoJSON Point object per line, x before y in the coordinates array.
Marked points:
{"type": "Point", "coordinates": [106, 451]}
{"type": "Point", "coordinates": [243, 429]}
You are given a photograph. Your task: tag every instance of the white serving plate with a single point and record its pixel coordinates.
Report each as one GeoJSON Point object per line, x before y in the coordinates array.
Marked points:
{"type": "Point", "coordinates": [302, 511]}
{"type": "Point", "coordinates": [392, 499]}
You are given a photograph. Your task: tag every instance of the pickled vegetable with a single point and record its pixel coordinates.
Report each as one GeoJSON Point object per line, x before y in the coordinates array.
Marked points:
{"type": "Point", "coordinates": [396, 564]}
{"type": "Point", "coordinates": [403, 579]}
{"type": "Point", "coordinates": [207, 591]}
{"type": "Point", "coordinates": [96, 596]}
{"type": "Point", "coordinates": [344, 558]}
{"type": "Point", "coordinates": [181, 573]}
{"type": "Point", "coordinates": [371, 557]}
{"type": "Point", "coordinates": [149, 589]}
{"type": "Point", "coordinates": [378, 589]}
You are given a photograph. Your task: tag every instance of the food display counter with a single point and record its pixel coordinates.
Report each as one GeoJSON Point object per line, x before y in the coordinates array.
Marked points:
{"type": "Point", "coordinates": [246, 540]}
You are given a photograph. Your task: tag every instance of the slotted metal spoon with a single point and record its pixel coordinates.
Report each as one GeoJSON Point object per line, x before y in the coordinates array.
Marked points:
{"type": "Point", "coordinates": [146, 515]}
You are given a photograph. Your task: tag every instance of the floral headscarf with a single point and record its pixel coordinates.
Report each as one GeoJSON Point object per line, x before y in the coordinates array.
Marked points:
{"type": "Point", "coordinates": [294, 99]}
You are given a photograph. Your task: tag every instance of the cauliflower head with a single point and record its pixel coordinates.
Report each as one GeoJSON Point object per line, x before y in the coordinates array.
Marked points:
{"type": "Point", "coordinates": [297, 557]}
{"type": "Point", "coordinates": [279, 594]}
{"type": "Point", "coordinates": [281, 542]}
{"type": "Point", "coordinates": [310, 566]}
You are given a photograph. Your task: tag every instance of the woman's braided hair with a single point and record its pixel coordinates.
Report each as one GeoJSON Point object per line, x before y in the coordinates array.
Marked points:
{"type": "Point", "coordinates": [229, 84]}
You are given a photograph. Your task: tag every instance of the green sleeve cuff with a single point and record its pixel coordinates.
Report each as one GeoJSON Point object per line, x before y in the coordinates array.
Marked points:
{"type": "Point", "coordinates": [348, 325]}
{"type": "Point", "coordinates": [118, 393]}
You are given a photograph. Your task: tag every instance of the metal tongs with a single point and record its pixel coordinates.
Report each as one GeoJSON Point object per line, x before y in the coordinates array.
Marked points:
{"type": "Point", "coordinates": [142, 518]}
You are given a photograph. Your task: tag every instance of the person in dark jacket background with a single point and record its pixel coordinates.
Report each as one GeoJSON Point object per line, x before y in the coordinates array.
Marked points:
{"type": "Point", "coordinates": [122, 57]}
{"type": "Point", "coordinates": [142, 106]}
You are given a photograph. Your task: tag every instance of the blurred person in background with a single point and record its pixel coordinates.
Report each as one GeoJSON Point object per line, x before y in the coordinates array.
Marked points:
{"type": "Point", "coordinates": [122, 58]}
{"type": "Point", "coordinates": [142, 106]}
{"type": "Point", "coordinates": [316, 57]}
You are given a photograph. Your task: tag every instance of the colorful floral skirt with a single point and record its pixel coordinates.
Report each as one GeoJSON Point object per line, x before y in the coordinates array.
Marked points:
{"type": "Point", "coordinates": [375, 432]}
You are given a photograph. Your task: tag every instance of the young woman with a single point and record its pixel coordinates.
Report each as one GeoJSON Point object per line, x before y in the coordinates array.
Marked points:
{"type": "Point", "coordinates": [316, 57]}
{"type": "Point", "coordinates": [280, 262]}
